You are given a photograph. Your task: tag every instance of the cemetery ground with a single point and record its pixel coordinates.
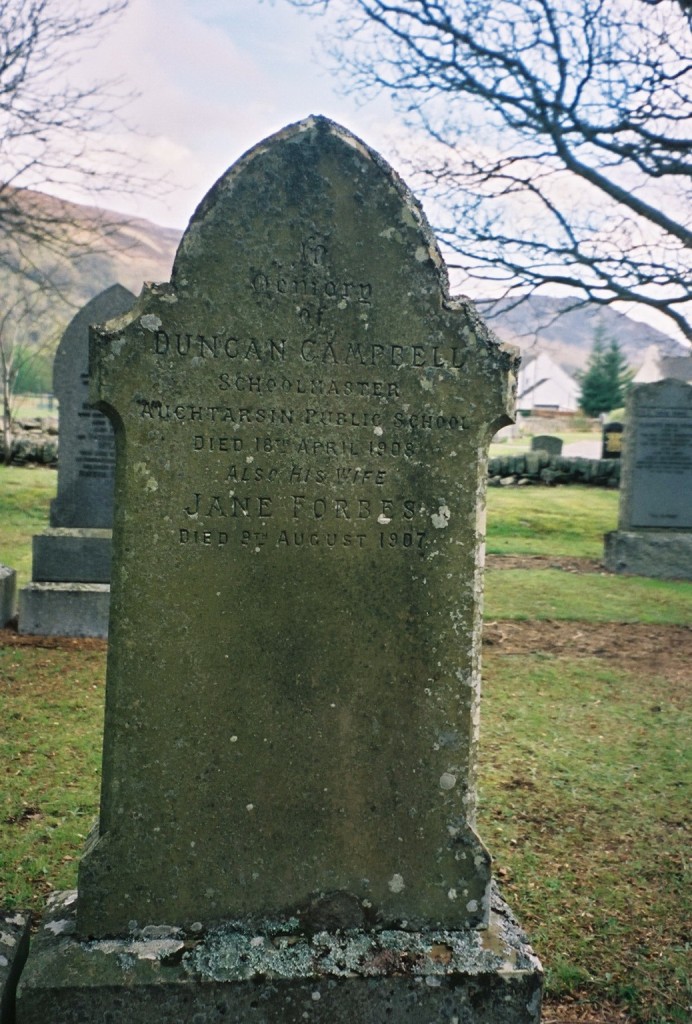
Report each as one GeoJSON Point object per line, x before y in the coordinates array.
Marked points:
{"type": "Point", "coordinates": [584, 763]}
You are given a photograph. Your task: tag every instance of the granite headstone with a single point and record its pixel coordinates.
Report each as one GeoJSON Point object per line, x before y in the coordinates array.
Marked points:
{"type": "Point", "coordinates": [69, 593]}
{"type": "Point", "coordinates": [87, 447]}
{"type": "Point", "coordinates": [8, 594]}
{"type": "Point", "coordinates": [288, 798]}
{"type": "Point", "coordinates": [654, 535]}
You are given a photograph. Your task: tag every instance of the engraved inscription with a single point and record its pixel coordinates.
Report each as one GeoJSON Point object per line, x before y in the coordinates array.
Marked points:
{"type": "Point", "coordinates": [95, 454]}
{"type": "Point", "coordinates": [309, 276]}
{"type": "Point", "coordinates": [662, 476]}
{"type": "Point", "coordinates": [342, 437]}
{"type": "Point", "coordinates": [318, 351]}
{"type": "Point", "coordinates": [280, 282]}
{"type": "Point", "coordinates": [324, 479]}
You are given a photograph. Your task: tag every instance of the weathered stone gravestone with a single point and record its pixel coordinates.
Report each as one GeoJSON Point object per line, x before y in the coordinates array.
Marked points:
{"type": "Point", "coordinates": [547, 443]}
{"type": "Point", "coordinates": [287, 812]}
{"type": "Point", "coordinates": [87, 448]}
{"type": "Point", "coordinates": [14, 947]}
{"type": "Point", "coordinates": [8, 594]}
{"type": "Point", "coordinates": [612, 440]}
{"type": "Point", "coordinates": [654, 535]}
{"type": "Point", "coordinates": [69, 593]}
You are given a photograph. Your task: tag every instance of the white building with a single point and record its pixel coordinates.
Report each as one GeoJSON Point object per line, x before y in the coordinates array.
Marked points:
{"type": "Point", "coordinates": [543, 384]}
{"type": "Point", "coordinates": [657, 366]}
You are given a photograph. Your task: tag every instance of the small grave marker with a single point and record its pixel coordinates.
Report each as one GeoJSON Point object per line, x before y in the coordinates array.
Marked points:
{"type": "Point", "coordinates": [547, 443]}
{"type": "Point", "coordinates": [612, 440]}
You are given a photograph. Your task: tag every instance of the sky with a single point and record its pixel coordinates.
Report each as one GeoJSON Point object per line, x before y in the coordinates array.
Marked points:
{"type": "Point", "coordinates": [212, 78]}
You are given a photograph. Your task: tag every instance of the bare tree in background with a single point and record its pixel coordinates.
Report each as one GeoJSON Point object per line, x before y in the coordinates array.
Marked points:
{"type": "Point", "coordinates": [51, 124]}
{"type": "Point", "coordinates": [557, 145]}
{"type": "Point", "coordinates": [56, 133]}
{"type": "Point", "coordinates": [18, 311]}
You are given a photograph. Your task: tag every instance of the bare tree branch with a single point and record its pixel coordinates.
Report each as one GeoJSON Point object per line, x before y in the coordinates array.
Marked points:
{"type": "Point", "coordinates": [559, 150]}
{"type": "Point", "coordinates": [20, 309]}
{"type": "Point", "coordinates": [55, 131]}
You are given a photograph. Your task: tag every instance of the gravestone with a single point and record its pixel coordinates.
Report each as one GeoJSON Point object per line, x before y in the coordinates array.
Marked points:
{"type": "Point", "coordinates": [87, 448]}
{"type": "Point", "coordinates": [14, 948]}
{"type": "Point", "coordinates": [547, 443]}
{"type": "Point", "coordinates": [8, 594]}
{"type": "Point", "coordinates": [612, 440]}
{"type": "Point", "coordinates": [654, 535]}
{"type": "Point", "coordinates": [69, 593]}
{"type": "Point", "coordinates": [287, 810]}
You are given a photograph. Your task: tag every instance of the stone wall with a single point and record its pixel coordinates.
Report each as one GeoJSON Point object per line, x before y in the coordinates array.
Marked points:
{"type": "Point", "coordinates": [540, 468]}
{"type": "Point", "coordinates": [34, 442]}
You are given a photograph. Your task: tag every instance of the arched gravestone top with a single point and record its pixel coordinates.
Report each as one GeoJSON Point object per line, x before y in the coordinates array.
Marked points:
{"type": "Point", "coordinates": [547, 443]}
{"type": "Point", "coordinates": [302, 419]}
{"type": "Point", "coordinates": [87, 450]}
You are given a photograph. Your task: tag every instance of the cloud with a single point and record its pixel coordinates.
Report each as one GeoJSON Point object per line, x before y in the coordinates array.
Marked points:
{"type": "Point", "coordinates": [212, 79]}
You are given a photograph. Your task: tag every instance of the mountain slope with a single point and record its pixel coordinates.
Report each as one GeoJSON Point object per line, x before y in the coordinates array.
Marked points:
{"type": "Point", "coordinates": [547, 324]}
{"type": "Point", "coordinates": [107, 248]}
{"type": "Point", "coordinates": [96, 249]}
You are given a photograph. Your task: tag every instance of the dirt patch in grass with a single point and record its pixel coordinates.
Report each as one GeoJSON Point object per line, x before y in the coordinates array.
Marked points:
{"type": "Point", "coordinates": [568, 563]}
{"type": "Point", "coordinates": [664, 651]}
{"type": "Point", "coordinates": [577, 1012]}
{"type": "Point", "coordinates": [11, 638]}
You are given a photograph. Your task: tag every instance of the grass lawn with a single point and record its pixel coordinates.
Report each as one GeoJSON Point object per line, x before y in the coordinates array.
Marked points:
{"type": "Point", "coordinates": [25, 496]}
{"type": "Point", "coordinates": [568, 520]}
{"type": "Point", "coordinates": [554, 594]}
{"type": "Point", "coordinates": [584, 765]}
{"type": "Point", "coordinates": [585, 784]}
{"type": "Point", "coordinates": [51, 705]}
{"type": "Point", "coordinates": [35, 407]}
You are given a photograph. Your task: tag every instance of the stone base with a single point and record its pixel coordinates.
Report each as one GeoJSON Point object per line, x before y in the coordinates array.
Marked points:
{"type": "Point", "coordinates": [61, 555]}
{"type": "Point", "coordinates": [227, 976]}
{"type": "Point", "coordinates": [8, 594]}
{"type": "Point", "coordinates": [662, 554]}
{"type": "Point", "coordinates": [14, 947]}
{"type": "Point", "coordinates": [64, 609]}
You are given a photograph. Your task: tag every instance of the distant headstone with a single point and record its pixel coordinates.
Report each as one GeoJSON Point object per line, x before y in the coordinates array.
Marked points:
{"type": "Point", "coordinates": [69, 593]}
{"type": "Point", "coordinates": [302, 421]}
{"type": "Point", "coordinates": [547, 443]}
{"type": "Point", "coordinates": [654, 535]}
{"type": "Point", "coordinates": [8, 594]}
{"type": "Point", "coordinates": [87, 448]}
{"type": "Point", "coordinates": [612, 440]}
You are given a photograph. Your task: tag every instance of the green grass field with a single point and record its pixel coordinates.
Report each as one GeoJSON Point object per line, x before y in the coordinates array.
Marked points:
{"type": "Point", "coordinates": [556, 521]}
{"type": "Point", "coordinates": [25, 496]}
{"type": "Point", "coordinates": [29, 407]}
{"type": "Point", "coordinates": [584, 764]}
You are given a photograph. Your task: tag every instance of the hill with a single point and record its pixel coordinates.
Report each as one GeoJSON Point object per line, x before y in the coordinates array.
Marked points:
{"type": "Point", "coordinates": [98, 249]}
{"type": "Point", "coordinates": [546, 324]}
{"type": "Point", "coordinates": [107, 248]}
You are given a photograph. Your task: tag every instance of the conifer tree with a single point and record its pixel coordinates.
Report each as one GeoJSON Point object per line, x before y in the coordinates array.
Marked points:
{"type": "Point", "coordinates": [607, 377]}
